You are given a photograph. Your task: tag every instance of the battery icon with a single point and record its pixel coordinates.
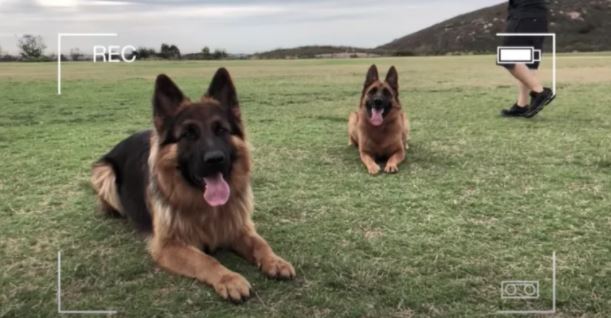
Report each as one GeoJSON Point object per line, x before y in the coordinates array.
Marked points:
{"type": "Point", "coordinates": [515, 54]}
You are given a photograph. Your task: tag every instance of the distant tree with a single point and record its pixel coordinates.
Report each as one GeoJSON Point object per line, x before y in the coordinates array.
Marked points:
{"type": "Point", "coordinates": [206, 53]}
{"type": "Point", "coordinates": [404, 53]}
{"type": "Point", "coordinates": [75, 54]}
{"type": "Point", "coordinates": [169, 51]}
{"type": "Point", "coordinates": [46, 58]}
{"type": "Point", "coordinates": [145, 53]}
{"type": "Point", "coordinates": [219, 54]}
{"type": "Point", "coordinates": [5, 57]}
{"type": "Point", "coordinates": [175, 52]}
{"type": "Point", "coordinates": [8, 58]}
{"type": "Point", "coordinates": [32, 47]}
{"type": "Point", "coordinates": [163, 52]}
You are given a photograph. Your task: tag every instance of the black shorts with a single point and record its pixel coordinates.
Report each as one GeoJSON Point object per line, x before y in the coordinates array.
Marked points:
{"type": "Point", "coordinates": [526, 25]}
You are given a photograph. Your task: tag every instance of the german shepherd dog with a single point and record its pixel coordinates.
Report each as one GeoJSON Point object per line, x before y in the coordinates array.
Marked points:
{"type": "Point", "coordinates": [380, 129]}
{"type": "Point", "coordinates": [187, 184]}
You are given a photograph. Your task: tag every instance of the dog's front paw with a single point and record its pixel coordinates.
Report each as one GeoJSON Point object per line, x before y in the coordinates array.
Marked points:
{"type": "Point", "coordinates": [391, 168]}
{"type": "Point", "coordinates": [275, 267]}
{"type": "Point", "coordinates": [233, 286]}
{"type": "Point", "coordinates": [373, 169]}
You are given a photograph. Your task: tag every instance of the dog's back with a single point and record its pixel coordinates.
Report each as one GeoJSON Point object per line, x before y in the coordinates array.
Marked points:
{"type": "Point", "coordinates": [120, 179]}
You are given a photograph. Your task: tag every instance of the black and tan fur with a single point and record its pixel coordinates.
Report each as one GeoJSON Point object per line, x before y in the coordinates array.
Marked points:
{"type": "Point", "coordinates": [388, 141]}
{"type": "Point", "coordinates": [148, 178]}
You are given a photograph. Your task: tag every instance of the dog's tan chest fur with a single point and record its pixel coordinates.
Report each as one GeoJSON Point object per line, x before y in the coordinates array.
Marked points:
{"type": "Point", "coordinates": [212, 228]}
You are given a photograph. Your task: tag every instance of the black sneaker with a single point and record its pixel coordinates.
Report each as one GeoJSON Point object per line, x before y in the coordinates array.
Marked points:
{"type": "Point", "coordinates": [514, 111]}
{"type": "Point", "coordinates": [538, 101]}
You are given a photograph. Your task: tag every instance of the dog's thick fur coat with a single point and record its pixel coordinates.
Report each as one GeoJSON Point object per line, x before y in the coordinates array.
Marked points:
{"type": "Point", "coordinates": [384, 141]}
{"type": "Point", "coordinates": [143, 178]}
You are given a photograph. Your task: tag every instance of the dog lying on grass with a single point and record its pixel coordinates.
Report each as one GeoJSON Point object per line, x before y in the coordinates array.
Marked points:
{"type": "Point", "coordinates": [187, 183]}
{"type": "Point", "coordinates": [380, 129]}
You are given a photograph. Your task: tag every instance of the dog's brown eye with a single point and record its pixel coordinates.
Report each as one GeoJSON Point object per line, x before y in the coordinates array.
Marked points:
{"type": "Point", "coordinates": [219, 129]}
{"type": "Point", "coordinates": [189, 133]}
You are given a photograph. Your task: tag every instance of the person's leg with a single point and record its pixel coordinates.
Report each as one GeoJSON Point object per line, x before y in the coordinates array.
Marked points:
{"type": "Point", "coordinates": [523, 95]}
{"type": "Point", "coordinates": [520, 108]}
{"type": "Point", "coordinates": [527, 78]}
{"type": "Point", "coordinates": [539, 95]}
{"type": "Point", "coordinates": [524, 92]}
{"type": "Point", "coordinates": [531, 91]}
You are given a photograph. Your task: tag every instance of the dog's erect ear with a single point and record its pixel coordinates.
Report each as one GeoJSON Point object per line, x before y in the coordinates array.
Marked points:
{"type": "Point", "coordinates": [372, 76]}
{"type": "Point", "coordinates": [392, 78]}
{"type": "Point", "coordinates": [166, 101]}
{"type": "Point", "coordinates": [222, 89]}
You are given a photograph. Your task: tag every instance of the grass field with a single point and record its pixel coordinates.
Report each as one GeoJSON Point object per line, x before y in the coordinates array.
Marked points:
{"type": "Point", "coordinates": [480, 200]}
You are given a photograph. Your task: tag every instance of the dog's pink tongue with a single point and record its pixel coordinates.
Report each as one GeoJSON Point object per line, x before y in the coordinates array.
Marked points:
{"type": "Point", "coordinates": [376, 117]}
{"type": "Point", "coordinates": [217, 191]}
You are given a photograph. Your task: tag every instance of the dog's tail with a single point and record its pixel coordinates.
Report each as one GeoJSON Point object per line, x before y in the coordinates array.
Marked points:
{"type": "Point", "coordinates": [407, 132]}
{"type": "Point", "coordinates": [104, 182]}
{"type": "Point", "coordinates": [353, 136]}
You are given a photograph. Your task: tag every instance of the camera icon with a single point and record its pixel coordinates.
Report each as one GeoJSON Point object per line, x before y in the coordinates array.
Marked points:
{"type": "Point", "coordinates": [519, 289]}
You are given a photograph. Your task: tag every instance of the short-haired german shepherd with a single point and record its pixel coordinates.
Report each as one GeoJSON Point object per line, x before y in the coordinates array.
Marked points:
{"type": "Point", "coordinates": [380, 129]}
{"type": "Point", "coordinates": [187, 183]}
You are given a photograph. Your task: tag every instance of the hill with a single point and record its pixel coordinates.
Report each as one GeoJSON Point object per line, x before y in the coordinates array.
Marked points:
{"type": "Point", "coordinates": [581, 25]}
{"type": "Point", "coordinates": [315, 51]}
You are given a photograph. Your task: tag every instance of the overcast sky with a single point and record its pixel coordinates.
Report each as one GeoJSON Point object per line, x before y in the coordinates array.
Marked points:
{"type": "Point", "coordinates": [239, 26]}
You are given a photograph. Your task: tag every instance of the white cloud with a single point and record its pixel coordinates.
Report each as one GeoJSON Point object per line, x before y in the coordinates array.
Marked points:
{"type": "Point", "coordinates": [58, 3]}
{"type": "Point", "coordinates": [225, 11]}
{"type": "Point", "coordinates": [107, 3]}
{"type": "Point", "coordinates": [238, 25]}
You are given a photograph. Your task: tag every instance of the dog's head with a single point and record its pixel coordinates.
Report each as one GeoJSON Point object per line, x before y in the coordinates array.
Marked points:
{"type": "Point", "coordinates": [198, 139]}
{"type": "Point", "coordinates": [379, 98]}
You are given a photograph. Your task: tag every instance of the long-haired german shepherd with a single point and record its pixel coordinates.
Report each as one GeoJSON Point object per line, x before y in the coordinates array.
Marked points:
{"type": "Point", "coordinates": [380, 129]}
{"type": "Point", "coordinates": [187, 183]}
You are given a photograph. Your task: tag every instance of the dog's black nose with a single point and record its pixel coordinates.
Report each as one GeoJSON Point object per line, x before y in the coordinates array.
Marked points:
{"type": "Point", "coordinates": [214, 157]}
{"type": "Point", "coordinates": [378, 103]}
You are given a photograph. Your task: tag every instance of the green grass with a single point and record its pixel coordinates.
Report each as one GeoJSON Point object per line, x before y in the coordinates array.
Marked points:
{"type": "Point", "coordinates": [481, 199]}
